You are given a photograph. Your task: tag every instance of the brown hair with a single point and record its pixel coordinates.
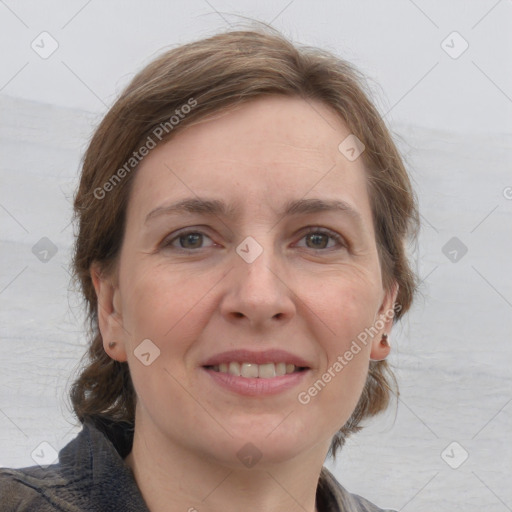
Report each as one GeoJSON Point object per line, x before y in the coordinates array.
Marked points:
{"type": "Point", "coordinates": [212, 74]}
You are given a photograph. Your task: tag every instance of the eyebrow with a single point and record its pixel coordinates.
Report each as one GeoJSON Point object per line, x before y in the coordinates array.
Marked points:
{"type": "Point", "coordinates": [305, 206]}
{"type": "Point", "coordinates": [193, 205]}
{"type": "Point", "coordinates": [215, 207]}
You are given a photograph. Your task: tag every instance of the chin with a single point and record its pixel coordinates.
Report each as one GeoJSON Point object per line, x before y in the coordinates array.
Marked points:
{"type": "Point", "coordinates": [275, 441]}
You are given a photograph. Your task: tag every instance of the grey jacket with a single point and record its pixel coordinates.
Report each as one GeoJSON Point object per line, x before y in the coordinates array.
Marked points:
{"type": "Point", "coordinates": [91, 476]}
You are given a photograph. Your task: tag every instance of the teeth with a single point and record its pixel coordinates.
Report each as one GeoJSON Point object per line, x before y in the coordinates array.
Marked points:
{"type": "Point", "coordinates": [234, 369]}
{"type": "Point", "coordinates": [252, 370]}
{"type": "Point", "coordinates": [267, 371]}
{"type": "Point", "coordinates": [280, 369]}
{"type": "Point", "coordinates": [249, 370]}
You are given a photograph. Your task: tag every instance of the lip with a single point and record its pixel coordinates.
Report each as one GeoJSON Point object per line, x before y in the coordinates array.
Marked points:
{"type": "Point", "coordinates": [262, 357]}
{"type": "Point", "coordinates": [256, 386]}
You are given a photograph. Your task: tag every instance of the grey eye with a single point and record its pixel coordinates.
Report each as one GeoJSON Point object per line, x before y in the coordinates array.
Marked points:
{"type": "Point", "coordinates": [191, 240]}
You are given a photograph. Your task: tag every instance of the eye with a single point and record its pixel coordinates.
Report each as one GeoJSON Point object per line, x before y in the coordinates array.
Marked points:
{"type": "Point", "coordinates": [189, 240]}
{"type": "Point", "coordinates": [319, 239]}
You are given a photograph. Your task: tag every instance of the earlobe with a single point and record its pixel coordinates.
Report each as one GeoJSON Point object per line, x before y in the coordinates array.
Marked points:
{"type": "Point", "coordinates": [110, 320]}
{"type": "Point", "coordinates": [381, 346]}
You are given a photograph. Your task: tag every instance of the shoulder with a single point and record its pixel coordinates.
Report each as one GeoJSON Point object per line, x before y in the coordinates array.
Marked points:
{"type": "Point", "coordinates": [336, 498]}
{"type": "Point", "coordinates": [90, 476]}
{"type": "Point", "coordinates": [57, 487]}
{"type": "Point", "coordinates": [25, 490]}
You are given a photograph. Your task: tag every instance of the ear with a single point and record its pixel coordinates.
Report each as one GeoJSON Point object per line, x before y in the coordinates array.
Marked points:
{"type": "Point", "coordinates": [110, 319]}
{"type": "Point", "coordinates": [383, 323]}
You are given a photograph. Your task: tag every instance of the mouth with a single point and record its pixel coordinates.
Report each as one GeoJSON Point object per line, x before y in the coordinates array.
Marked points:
{"type": "Point", "coordinates": [256, 371]}
{"type": "Point", "coordinates": [251, 373]}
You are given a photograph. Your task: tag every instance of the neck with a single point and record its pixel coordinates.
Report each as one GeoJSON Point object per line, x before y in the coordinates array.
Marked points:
{"type": "Point", "coordinates": [172, 478]}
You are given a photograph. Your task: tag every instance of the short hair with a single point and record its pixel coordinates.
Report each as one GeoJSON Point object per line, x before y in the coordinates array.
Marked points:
{"type": "Point", "coordinates": [208, 76]}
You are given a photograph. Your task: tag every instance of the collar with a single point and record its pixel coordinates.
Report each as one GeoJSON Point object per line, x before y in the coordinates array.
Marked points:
{"type": "Point", "coordinates": [98, 452]}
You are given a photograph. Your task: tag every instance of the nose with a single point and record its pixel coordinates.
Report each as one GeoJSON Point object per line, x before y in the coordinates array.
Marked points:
{"type": "Point", "coordinates": [257, 294]}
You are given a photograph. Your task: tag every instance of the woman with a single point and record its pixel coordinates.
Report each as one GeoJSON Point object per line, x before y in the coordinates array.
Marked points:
{"type": "Point", "coordinates": [242, 213]}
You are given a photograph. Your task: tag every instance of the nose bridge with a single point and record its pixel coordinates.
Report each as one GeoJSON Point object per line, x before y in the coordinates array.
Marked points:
{"type": "Point", "coordinates": [256, 290]}
{"type": "Point", "coordinates": [261, 273]}
{"type": "Point", "coordinates": [257, 274]}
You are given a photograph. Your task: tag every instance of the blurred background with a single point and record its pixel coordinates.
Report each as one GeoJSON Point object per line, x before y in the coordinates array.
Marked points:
{"type": "Point", "coordinates": [441, 77]}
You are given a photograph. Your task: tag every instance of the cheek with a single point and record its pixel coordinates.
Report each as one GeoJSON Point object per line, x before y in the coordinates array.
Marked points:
{"type": "Point", "coordinates": [345, 306]}
{"type": "Point", "coordinates": [160, 301]}
{"type": "Point", "coordinates": [345, 303]}
{"type": "Point", "coordinates": [171, 308]}
{"type": "Point", "coordinates": [337, 385]}
{"type": "Point", "coordinates": [166, 308]}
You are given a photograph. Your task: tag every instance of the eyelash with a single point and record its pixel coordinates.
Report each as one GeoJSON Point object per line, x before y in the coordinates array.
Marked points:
{"type": "Point", "coordinates": [167, 243]}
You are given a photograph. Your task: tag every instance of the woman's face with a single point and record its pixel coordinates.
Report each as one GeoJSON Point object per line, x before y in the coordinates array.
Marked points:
{"type": "Point", "coordinates": [249, 252]}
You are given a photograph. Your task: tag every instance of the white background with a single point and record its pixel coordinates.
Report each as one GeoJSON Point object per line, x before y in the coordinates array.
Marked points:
{"type": "Point", "coordinates": [452, 118]}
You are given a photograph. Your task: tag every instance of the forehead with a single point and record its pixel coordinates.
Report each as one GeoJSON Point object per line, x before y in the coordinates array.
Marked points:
{"type": "Point", "coordinates": [277, 149]}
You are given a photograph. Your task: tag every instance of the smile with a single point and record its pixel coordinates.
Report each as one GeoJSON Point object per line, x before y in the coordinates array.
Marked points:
{"type": "Point", "coordinates": [253, 370]}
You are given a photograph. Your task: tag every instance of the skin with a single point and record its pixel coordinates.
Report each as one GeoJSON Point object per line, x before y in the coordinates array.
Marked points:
{"type": "Point", "coordinates": [308, 295]}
